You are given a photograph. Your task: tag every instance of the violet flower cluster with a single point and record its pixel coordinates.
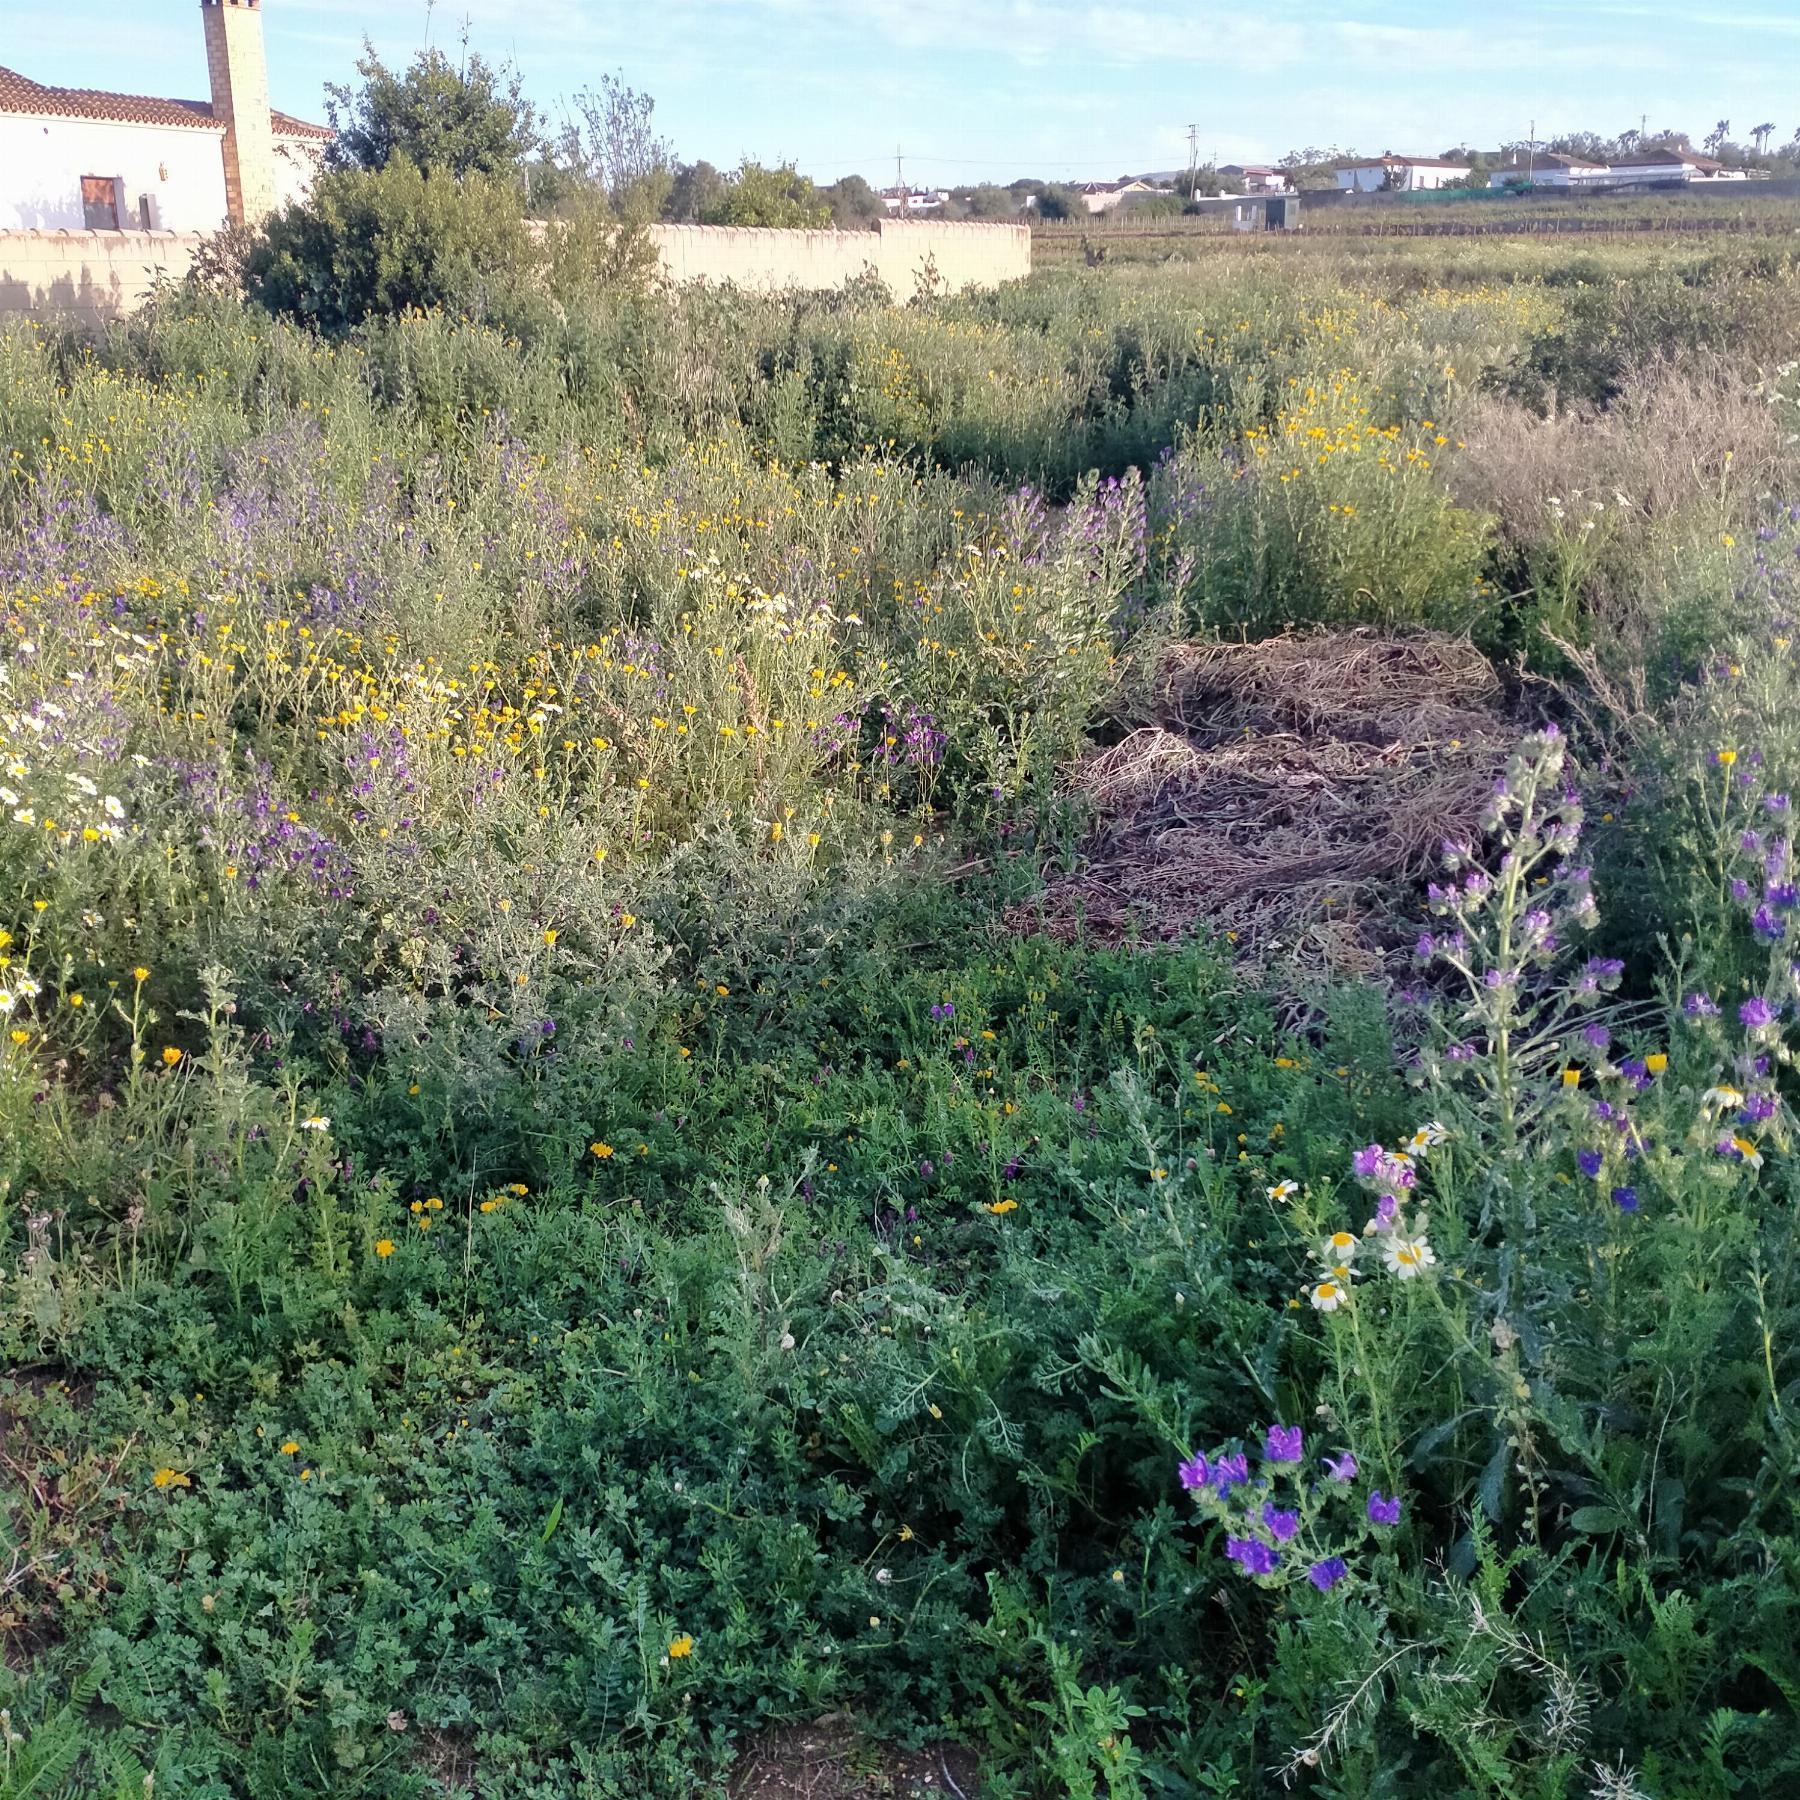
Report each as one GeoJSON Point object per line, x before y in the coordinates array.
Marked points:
{"type": "Point", "coordinates": [1286, 1519]}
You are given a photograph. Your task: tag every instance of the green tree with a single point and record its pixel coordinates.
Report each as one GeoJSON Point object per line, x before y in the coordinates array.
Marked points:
{"type": "Point", "coordinates": [854, 204]}
{"type": "Point", "coordinates": [695, 190]}
{"type": "Point", "coordinates": [989, 202]}
{"type": "Point", "coordinates": [615, 145]}
{"type": "Point", "coordinates": [388, 240]}
{"type": "Point", "coordinates": [780, 196]}
{"type": "Point", "coordinates": [1057, 202]}
{"type": "Point", "coordinates": [469, 119]}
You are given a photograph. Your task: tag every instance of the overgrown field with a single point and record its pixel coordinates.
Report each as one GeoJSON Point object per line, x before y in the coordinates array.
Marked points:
{"type": "Point", "coordinates": [684, 1049]}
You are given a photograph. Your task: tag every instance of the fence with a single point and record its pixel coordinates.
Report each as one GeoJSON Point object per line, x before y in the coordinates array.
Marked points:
{"type": "Point", "coordinates": [95, 276]}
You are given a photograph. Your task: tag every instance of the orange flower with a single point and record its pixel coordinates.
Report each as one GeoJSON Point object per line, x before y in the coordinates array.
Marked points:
{"type": "Point", "coordinates": [171, 1056]}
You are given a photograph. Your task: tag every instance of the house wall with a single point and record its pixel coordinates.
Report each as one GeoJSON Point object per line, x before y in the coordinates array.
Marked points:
{"type": "Point", "coordinates": [42, 162]}
{"type": "Point", "coordinates": [297, 165]}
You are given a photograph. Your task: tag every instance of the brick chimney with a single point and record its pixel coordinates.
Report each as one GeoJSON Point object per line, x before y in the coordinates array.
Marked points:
{"type": "Point", "coordinates": [240, 102]}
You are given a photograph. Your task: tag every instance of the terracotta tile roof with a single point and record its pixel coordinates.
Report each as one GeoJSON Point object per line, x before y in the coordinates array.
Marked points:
{"type": "Point", "coordinates": [20, 94]}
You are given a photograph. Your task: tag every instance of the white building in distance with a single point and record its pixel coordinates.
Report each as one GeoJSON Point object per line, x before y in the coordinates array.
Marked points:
{"type": "Point", "coordinates": [76, 159]}
{"type": "Point", "coordinates": [1399, 174]}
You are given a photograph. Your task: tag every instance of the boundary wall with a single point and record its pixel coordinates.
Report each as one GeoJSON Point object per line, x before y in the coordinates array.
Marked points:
{"type": "Point", "coordinates": [96, 276]}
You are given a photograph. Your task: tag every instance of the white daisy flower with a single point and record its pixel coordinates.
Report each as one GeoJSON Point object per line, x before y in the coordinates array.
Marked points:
{"type": "Point", "coordinates": [1407, 1257]}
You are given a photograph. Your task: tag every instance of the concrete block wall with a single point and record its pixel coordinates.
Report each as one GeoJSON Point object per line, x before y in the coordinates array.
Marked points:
{"type": "Point", "coordinates": [90, 276]}
{"type": "Point", "coordinates": [94, 276]}
{"type": "Point", "coordinates": [898, 251]}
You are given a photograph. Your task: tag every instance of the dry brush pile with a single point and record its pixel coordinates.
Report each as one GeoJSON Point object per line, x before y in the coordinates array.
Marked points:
{"type": "Point", "coordinates": [1282, 792]}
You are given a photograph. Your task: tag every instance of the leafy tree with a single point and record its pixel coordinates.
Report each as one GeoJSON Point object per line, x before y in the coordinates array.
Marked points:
{"type": "Point", "coordinates": [468, 119]}
{"type": "Point", "coordinates": [614, 143]}
{"type": "Point", "coordinates": [780, 196]}
{"type": "Point", "coordinates": [854, 204]}
{"type": "Point", "coordinates": [695, 190]}
{"type": "Point", "coordinates": [393, 239]}
{"type": "Point", "coordinates": [1057, 202]}
{"type": "Point", "coordinates": [986, 201]}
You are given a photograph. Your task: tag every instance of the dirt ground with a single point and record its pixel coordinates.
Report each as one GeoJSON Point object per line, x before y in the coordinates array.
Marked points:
{"type": "Point", "coordinates": [831, 1760]}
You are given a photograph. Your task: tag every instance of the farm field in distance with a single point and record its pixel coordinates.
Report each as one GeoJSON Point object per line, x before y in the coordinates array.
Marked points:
{"type": "Point", "coordinates": [1029, 1044]}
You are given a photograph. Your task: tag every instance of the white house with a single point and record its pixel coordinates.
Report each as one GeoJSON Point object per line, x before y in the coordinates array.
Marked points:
{"type": "Point", "coordinates": [1547, 170]}
{"type": "Point", "coordinates": [1399, 174]}
{"type": "Point", "coordinates": [1662, 165]}
{"type": "Point", "coordinates": [77, 159]}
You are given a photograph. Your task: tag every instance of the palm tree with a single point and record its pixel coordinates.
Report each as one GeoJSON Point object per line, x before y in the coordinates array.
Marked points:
{"type": "Point", "coordinates": [1715, 139]}
{"type": "Point", "coordinates": [1762, 134]}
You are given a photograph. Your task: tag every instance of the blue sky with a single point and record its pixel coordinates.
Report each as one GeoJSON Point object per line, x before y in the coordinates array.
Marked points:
{"type": "Point", "coordinates": [979, 89]}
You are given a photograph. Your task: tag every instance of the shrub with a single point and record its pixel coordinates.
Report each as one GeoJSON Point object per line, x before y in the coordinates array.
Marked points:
{"type": "Point", "coordinates": [394, 240]}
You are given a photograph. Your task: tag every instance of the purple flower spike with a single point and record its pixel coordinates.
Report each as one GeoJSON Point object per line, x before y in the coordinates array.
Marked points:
{"type": "Point", "coordinates": [1590, 1163]}
{"type": "Point", "coordinates": [1230, 1469]}
{"type": "Point", "coordinates": [1327, 1573]}
{"type": "Point", "coordinates": [1367, 1160]}
{"type": "Point", "coordinates": [1194, 1473]}
{"type": "Point", "coordinates": [1341, 1466]}
{"type": "Point", "coordinates": [1383, 1512]}
{"type": "Point", "coordinates": [1282, 1525]}
{"type": "Point", "coordinates": [1252, 1556]}
{"type": "Point", "coordinates": [1756, 1014]}
{"type": "Point", "coordinates": [1283, 1444]}
{"type": "Point", "coordinates": [1700, 1006]}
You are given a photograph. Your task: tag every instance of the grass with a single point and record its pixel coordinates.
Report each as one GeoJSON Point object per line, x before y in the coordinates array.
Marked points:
{"type": "Point", "coordinates": [561, 1225]}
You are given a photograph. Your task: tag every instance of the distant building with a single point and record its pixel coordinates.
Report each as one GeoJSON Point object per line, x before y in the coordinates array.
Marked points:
{"type": "Point", "coordinates": [914, 200]}
{"type": "Point", "coordinates": [1103, 196]}
{"type": "Point", "coordinates": [1660, 166]}
{"type": "Point", "coordinates": [1663, 164]}
{"type": "Point", "coordinates": [1552, 171]}
{"type": "Point", "coordinates": [77, 159]}
{"type": "Point", "coordinates": [1253, 178]}
{"type": "Point", "coordinates": [1399, 174]}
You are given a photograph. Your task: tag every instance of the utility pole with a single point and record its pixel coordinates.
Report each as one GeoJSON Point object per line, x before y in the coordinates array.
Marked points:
{"type": "Point", "coordinates": [1193, 159]}
{"type": "Point", "coordinates": [899, 181]}
{"type": "Point", "coordinates": [1531, 154]}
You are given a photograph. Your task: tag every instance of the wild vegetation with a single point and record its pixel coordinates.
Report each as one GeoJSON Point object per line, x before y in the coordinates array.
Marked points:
{"type": "Point", "coordinates": [579, 1185]}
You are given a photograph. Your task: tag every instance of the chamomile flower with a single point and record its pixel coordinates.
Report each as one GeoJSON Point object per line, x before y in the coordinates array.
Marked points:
{"type": "Point", "coordinates": [1328, 1296]}
{"type": "Point", "coordinates": [1407, 1257]}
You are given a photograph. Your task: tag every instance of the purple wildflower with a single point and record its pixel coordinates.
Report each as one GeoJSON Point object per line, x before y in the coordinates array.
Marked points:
{"type": "Point", "coordinates": [1383, 1512]}
{"type": "Point", "coordinates": [1228, 1470]}
{"type": "Point", "coordinates": [1341, 1466]}
{"type": "Point", "coordinates": [1283, 1444]}
{"type": "Point", "coordinates": [1193, 1473]}
{"type": "Point", "coordinates": [1625, 1199]}
{"type": "Point", "coordinates": [1367, 1160]}
{"type": "Point", "coordinates": [1756, 1014]}
{"type": "Point", "coordinates": [1282, 1525]}
{"type": "Point", "coordinates": [1590, 1163]}
{"type": "Point", "coordinates": [1252, 1556]}
{"type": "Point", "coordinates": [1699, 1006]}
{"type": "Point", "coordinates": [1327, 1573]}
